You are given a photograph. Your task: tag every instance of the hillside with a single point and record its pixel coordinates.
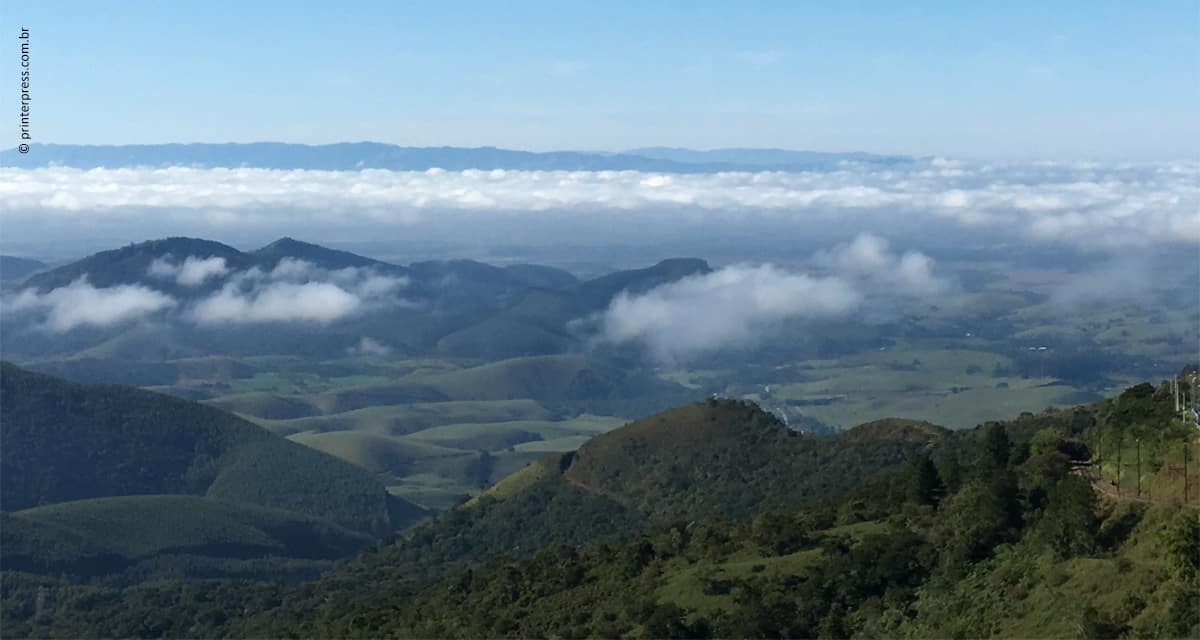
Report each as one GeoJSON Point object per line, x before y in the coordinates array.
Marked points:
{"type": "Point", "coordinates": [13, 268]}
{"type": "Point", "coordinates": [131, 263]}
{"type": "Point", "coordinates": [65, 441]}
{"type": "Point", "coordinates": [981, 533]}
{"type": "Point", "coordinates": [124, 539]}
{"type": "Point", "coordinates": [715, 459]}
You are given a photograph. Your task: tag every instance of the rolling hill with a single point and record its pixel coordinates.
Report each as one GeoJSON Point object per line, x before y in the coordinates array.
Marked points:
{"type": "Point", "coordinates": [128, 538]}
{"type": "Point", "coordinates": [65, 441]}
{"type": "Point", "coordinates": [714, 459]}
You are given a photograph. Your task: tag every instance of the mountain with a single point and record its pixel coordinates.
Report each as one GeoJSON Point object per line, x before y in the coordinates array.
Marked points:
{"type": "Point", "coordinates": [374, 155]}
{"type": "Point", "coordinates": [714, 459]}
{"type": "Point", "coordinates": [995, 531]}
{"type": "Point", "coordinates": [131, 264]}
{"type": "Point", "coordinates": [13, 268]}
{"type": "Point", "coordinates": [537, 322]}
{"type": "Point", "coordinates": [323, 257]}
{"type": "Point", "coordinates": [595, 294]}
{"type": "Point", "coordinates": [126, 539]}
{"type": "Point", "coordinates": [778, 159]}
{"type": "Point", "coordinates": [65, 442]}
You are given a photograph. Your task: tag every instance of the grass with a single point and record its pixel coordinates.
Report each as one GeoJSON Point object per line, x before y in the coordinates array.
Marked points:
{"type": "Point", "coordinates": [140, 526]}
{"type": "Point", "coordinates": [468, 434]}
{"type": "Point", "coordinates": [925, 381]}
{"type": "Point", "coordinates": [410, 418]}
{"type": "Point", "coordinates": [529, 377]}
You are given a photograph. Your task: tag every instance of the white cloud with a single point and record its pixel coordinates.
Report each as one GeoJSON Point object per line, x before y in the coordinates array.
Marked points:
{"type": "Point", "coordinates": [369, 347]}
{"type": "Point", "coordinates": [295, 290]}
{"type": "Point", "coordinates": [1081, 204]}
{"type": "Point", "coordinates": [282, 301]}
{"type": "Point", "coordinates": [739, 304]}
{"type": "Point", "coordinates": [192, 272]}
{"type": "Point", "coordinates": [868, 259]}
{"type": "Point", "coordinates": [726, 307]}
{"type": "Point", "coordinates": [80, 304]}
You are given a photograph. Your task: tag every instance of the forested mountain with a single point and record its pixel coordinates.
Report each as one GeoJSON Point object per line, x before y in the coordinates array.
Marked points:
{"type": "Point", "coordinates": [986, 532]}
{"type": "Point", "coordinates": [716, 459]}
{"type": "Point", "coordinates": [65, 442]}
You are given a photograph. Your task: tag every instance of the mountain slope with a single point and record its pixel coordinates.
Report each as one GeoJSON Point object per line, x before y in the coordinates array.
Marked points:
{"type": "Point", "coordinates": [323, 257]}
{"type": "Point", "coordinates": [131, 264]}
{"type": "Point", "coordinates": [720, 458]}
{"type": "Point", "coordinates": [66, 441]}
{"type": "Point", "coordinates": [13, 268]}
{"type": "Point", "coordinates": [134, 535]}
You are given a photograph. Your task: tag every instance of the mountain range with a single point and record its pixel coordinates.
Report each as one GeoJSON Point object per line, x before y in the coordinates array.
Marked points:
{"type": "Point", "coordinates": [374, 155]}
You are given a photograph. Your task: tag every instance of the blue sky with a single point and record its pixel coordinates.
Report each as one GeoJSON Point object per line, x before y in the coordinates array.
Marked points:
{"type": "Point", "coordinates": [1063, 80]}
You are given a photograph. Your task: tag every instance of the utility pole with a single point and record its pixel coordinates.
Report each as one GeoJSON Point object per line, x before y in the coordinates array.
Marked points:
{"type": "Point", "coordinates": [1185, 476]}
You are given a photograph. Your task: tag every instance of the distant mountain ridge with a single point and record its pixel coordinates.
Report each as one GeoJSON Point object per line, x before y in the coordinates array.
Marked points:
{"type": "Point", "coordinates": [348, 156]}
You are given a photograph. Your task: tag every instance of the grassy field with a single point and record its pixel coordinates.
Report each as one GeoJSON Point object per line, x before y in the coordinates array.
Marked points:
{"type": "Point", "coordinates": [948, 385]}
{"type": "Point", "coordinates": [140, 526]}
{"type": "Point", "coordinates": [410, 418]}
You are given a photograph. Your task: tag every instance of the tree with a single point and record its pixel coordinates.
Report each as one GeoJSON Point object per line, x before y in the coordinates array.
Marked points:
{"type": "Point", "coordinates": [924, 486]}
{"type": "Point", "coordinates": [996, 446]}
{"type": "Point", "coordinates": [1069, 522]}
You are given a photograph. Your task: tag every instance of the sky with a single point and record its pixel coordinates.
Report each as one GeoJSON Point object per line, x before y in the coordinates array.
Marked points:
{"type": "Point", "coordinates": [1009, 80]}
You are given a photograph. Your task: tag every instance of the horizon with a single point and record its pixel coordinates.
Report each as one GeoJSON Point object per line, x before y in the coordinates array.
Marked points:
{"type": "Point", "coordinates": [1065, 81]}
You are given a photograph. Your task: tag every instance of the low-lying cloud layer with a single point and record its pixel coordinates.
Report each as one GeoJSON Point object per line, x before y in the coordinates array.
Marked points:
{"type": "Point", "coordinates": [740, 304]}
{"type": "Point", "coordinates": [80, 304]}
{"type": "Point", "coordinates": [1080, 204]}
{"type": "Point", "coordinates": [294, 291]}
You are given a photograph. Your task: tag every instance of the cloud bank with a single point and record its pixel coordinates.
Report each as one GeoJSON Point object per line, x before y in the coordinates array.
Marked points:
{"type": "Point", "coordinates": [79, 304]}
{"type": "Point", "coordinates": [293, 291]}
{"type": "Point", "coordinates": [1080, 204]}
{"type": "Point", "coordinates": [739, 304]}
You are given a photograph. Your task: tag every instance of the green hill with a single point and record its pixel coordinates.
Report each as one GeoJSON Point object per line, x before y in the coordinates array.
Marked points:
{"type": "Point", "coordinates": [65, 441]}
{"type": "Point", "coordinates": [713, 520]}
{"type": "Point", "coordinates": [125, 537]}
{"type": "Point", "coordinates": [725, 459]}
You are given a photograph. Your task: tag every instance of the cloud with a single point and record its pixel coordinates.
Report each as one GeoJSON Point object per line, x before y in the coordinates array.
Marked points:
{"type": "Point", "coordinates": [192, 272]}
{"type": "Point", "coordinates": [868, 259]}
{"type": "Point", "coordinates": [740, 304]}
{"type": "Point", "coordinates": [295, 291]}
{"type": "Point", "coordinates": [80, 304]}
{"type": "Point", "coordinates": [1087, 205]}
{"type": "Point", "coordinates": [727, 307]}
{"type": "Point", "coordinates": [369, 347]}
{"type": "Point", "coordinates": [1118, 279]}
